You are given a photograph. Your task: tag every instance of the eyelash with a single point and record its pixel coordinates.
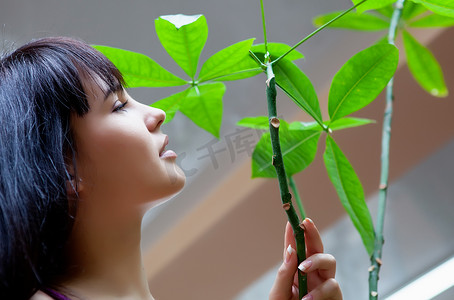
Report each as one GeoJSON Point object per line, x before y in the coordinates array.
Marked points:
{"type": "Point", "coordinates": [121, 106]}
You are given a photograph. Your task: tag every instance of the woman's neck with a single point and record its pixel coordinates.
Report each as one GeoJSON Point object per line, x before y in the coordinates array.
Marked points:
{"type": "Point", "coordinates": [105, 260]}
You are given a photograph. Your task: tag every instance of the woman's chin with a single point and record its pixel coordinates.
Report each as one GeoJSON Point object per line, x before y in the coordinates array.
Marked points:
{"type": "Point", "coordinates": [177, 179]}
{"type": "Point", "coordinates": [174, 188]}
{"type": "Point", "coordinates": [155, 203]}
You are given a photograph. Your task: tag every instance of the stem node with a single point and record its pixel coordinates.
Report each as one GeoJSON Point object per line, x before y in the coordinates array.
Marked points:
{"type": "Point", "coordinates": [286, 206]}
{"type": "Point", "coordinates": [268, 81]}
{"type": "Point", "coordinates": [302, 226]}
{"type": "Point", "coordinates": [398, 5]}
{"type": "Point", "coordinates": [275, 122]}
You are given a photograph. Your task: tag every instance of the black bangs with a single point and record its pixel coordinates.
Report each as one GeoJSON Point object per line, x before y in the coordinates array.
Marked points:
{"type": "Point", "coordinates": [59, 63]}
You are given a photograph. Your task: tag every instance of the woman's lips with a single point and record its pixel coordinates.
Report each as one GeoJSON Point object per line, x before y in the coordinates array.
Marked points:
{"type": "Point", "coordinates": [166, 153]}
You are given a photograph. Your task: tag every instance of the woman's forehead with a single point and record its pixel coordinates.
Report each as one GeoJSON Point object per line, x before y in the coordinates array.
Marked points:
{"type": "Point", "coordinates": [98, 89]}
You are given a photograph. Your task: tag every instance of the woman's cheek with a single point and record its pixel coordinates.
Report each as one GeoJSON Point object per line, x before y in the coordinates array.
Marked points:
{"type": "Point", "coordinates": [116, 151]}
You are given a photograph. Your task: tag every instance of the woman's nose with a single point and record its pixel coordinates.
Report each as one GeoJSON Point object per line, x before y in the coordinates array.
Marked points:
{"type": "Point", "coordinates": [154, 117]}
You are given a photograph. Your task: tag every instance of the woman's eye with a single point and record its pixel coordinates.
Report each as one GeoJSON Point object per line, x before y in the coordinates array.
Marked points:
{"type": "Point", "coordinates": [121, 106]}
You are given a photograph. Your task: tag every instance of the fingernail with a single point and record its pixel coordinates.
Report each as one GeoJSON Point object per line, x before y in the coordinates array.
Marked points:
{"type": "Point", "coordinates": [310, 220]}
{"type": "Point", "coordinates": [307, 297]}
{"type": "Point", "coordinates": [288, 253]}
{"type": "Point", "coordinates": [305, 265]}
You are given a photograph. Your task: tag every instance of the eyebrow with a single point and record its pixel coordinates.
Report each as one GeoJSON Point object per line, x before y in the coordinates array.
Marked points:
{"type": "Point", "coordinates": [116, 88]}
{"type": "Point", "coordinates": [108, 94]}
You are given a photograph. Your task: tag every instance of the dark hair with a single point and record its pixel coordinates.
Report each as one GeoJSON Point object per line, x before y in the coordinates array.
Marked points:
{"type": "Point", "coordinates": [40, 88]}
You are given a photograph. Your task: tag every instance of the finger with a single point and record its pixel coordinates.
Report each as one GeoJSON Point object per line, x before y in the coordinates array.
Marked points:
{"type": "Point", "coordinates": [314, 242]}
{"type": "Point", "coordinates": [289, 237]}
{"type": "Point", "coordinates": [283, 285]}
{"type": "Point", "coordinates": [325, 264]}
{"type": "Point", "coordinates": [328, 290]}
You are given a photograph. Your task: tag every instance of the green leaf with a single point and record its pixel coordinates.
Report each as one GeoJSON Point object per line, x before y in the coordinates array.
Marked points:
{"type": "Point", "coordinates": [234, 59]}
{"type": "Point", "coordinates": [276, 50]}
{"type": "Point", "coordinates": [298, 151]}
{"type": "Point", "coordinates": [183, 37]}
{"type": "Point", "coordinates": [203, 105]}
{"type": "Point", "coordinates": [336, 125]}
{"type": "Point", "coordinates": [433, 20]}
{"type": "Point", "coordinates": [371, 4]}
{"type": "Point", "coordinates": [350, 192]}
{"type": "Point", "coordinates": [382, 40]}
{"type": "Point", "coordinates": [261, 122]}
{"type": "Point", "coordinates": [361, 80]}
{"type": "Point", "coordinates": [412, 10]}
{"type": "Point", "coordinates": [387, 11]}
{"type": "Point", "coordinates": [139, 70]}
{"type": "Point", "coordinates": [441, 7]}
{"type": "Point", "coordinates": [305, 126]}
{"type": "Point", "coordinates": [245, 72]}
{"type": "Point", "coordinates": [298, 87]}
{"type": "Point", "coordinates": [171, 104]}
{"type": "Point", "coordinates": [349, 123]}
{"type": "Point", "coordinates": [424, 67]}
{"type": "Point", "coordinates": [364, 22]}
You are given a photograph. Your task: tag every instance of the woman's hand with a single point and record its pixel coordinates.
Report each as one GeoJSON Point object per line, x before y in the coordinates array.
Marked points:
{"type": "Point", "coordinates": [320, 269]}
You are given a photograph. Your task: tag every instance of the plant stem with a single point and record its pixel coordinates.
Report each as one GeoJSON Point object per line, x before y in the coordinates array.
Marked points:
{"type": "Point", "coordinates": [317, 31]}
{"type": "Point", "coordinates": [383, 189]}
{"type": "Point", "coordinates": [297, 197]}
{"type": "Point", "coordinates": [278, 164]}
{"type": "Point", "coordinates": [264, 31]}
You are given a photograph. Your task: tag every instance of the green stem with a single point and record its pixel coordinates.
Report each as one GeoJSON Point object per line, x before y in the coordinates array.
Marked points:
{"type": "Point", "coordinates": [264, 31]}
{"type": "Point", "coordinates": [297, 197]}
{"type": "Point", "coordinates": [386, 137]}
{"type": "Point", "coordinates": [317, 31]}
{"type": "Point", "coordinates": [278, 164]}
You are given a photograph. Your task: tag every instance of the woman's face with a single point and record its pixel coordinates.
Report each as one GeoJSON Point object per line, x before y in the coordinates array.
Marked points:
{"type": "Point", "coordinates": [120, 151]}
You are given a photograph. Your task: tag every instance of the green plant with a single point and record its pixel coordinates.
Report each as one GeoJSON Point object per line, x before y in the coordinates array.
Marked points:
{"type": "Point", "coordinates": [293, 146]}
{"type": "Point", "coordinates": [423, 66]}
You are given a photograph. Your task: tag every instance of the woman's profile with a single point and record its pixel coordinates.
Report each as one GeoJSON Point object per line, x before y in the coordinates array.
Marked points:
{"type": "Point", "coordinates": [80, 163]}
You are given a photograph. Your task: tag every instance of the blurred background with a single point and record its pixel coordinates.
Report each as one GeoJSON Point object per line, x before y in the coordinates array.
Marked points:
{"type": "Point", "coordinates": [222, 236]}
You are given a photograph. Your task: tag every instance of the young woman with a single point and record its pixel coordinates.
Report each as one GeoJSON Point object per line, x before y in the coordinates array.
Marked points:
{"type": "Point", "coordinates": [80, 163]}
